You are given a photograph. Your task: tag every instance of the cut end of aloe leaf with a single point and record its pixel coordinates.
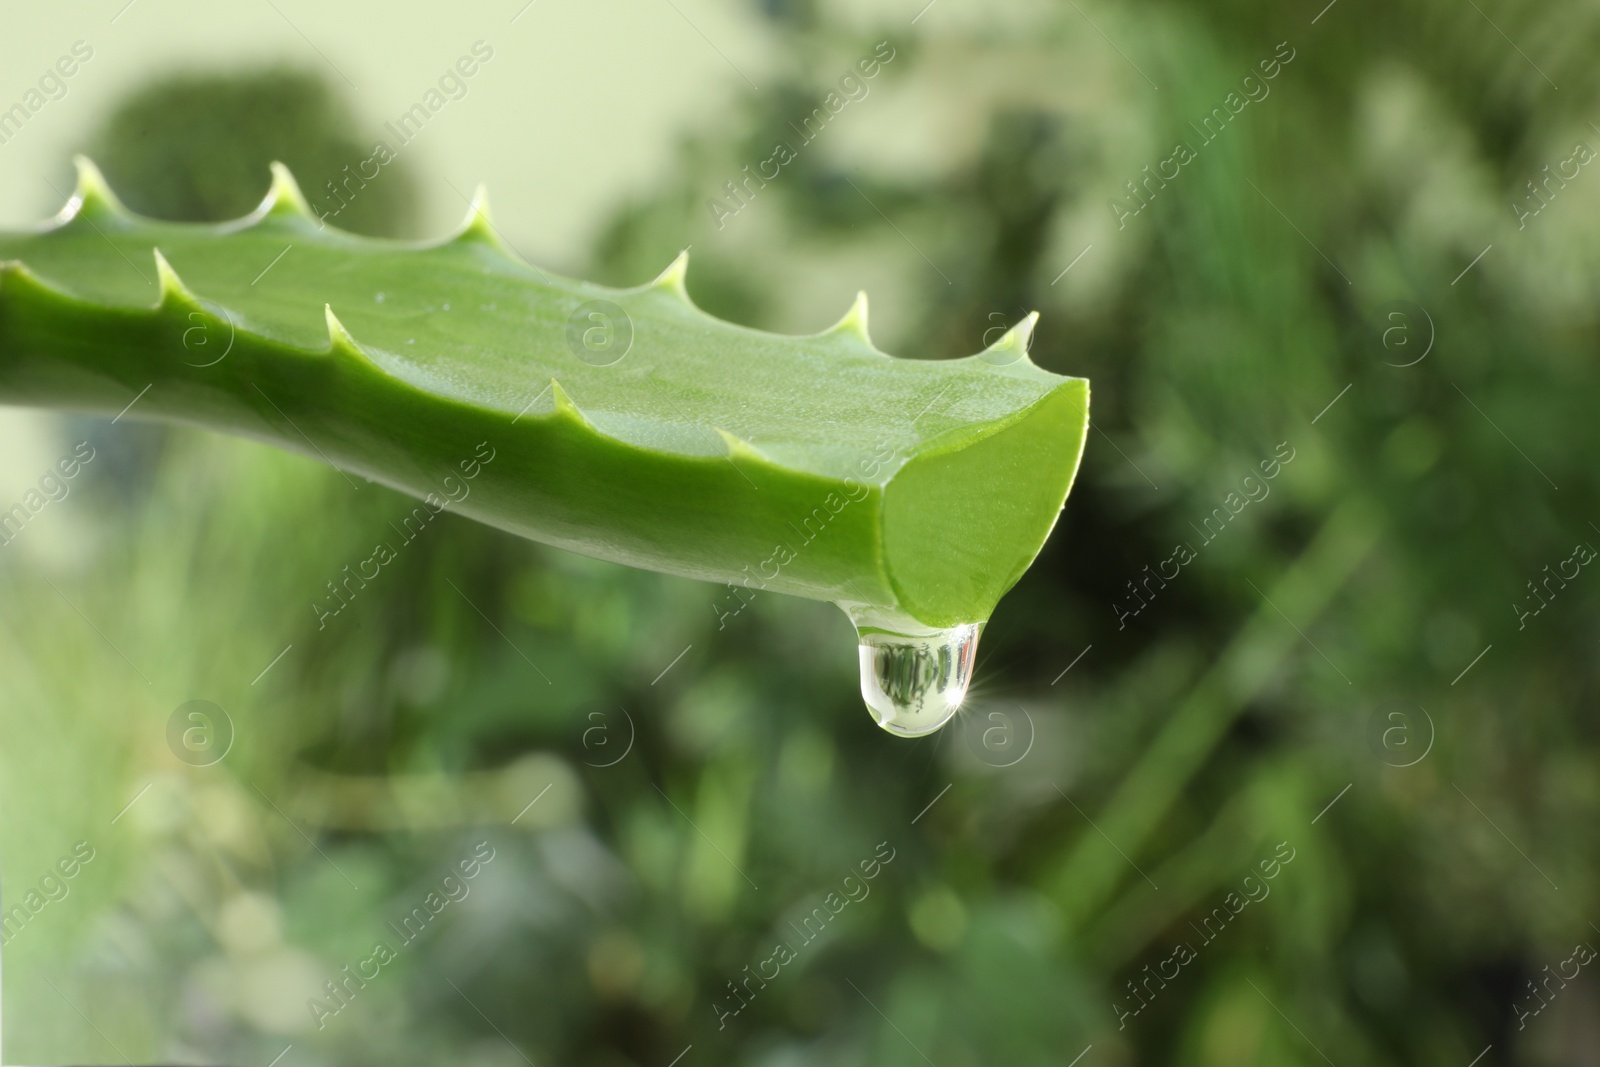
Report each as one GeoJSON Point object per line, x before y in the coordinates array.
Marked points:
{"type": "Point", "coordinates": [624, 424]}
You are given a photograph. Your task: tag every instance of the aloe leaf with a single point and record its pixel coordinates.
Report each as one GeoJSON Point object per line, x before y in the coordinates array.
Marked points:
{"type": "Point", "coordinates": [624, 424]}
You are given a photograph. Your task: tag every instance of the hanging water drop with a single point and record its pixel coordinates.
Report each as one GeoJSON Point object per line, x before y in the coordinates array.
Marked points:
{"type": "Point", "coordinates": [914, 683]}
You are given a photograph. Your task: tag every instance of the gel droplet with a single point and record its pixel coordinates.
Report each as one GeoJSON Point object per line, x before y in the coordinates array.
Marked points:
{"type": "Point", "coordinates": [915, 683]}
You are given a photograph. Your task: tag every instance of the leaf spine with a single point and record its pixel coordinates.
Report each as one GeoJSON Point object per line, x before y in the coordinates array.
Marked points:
{"type": "Point", "coordinates": [564, 407]}
{"type": "Point", "coordinates": [173, 291]}
{"type": "Point", "coordinates": [92, 196]}
{"type": "Point", "coordinates": [854, 322]}
{"type": "Point", "coordinates": [738, 447]}
{"type": "Point", "coordinates": [284, 199]}
{"type": "Point", "coordinates": [339, 337]}
{"type": "Point", "coordinates": [673, 279]}
{"type": "Point", "coordinates": [478, 226]}
{"type": "Point", "coordinates": [1013, 347]}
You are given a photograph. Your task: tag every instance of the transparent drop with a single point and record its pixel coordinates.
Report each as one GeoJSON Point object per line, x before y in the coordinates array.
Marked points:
{"type": "Point", "coordinates": [914, 683]}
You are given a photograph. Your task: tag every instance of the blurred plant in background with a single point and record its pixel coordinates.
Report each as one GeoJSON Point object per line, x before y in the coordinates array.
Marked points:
{"type": "Point", "coordinates": [191, 147]}
{"type": "Point", "coordinates": [1333, 673]}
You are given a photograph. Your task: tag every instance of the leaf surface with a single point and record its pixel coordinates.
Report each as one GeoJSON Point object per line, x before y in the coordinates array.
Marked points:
{"type": "Point", "coordinates": [623, 423]}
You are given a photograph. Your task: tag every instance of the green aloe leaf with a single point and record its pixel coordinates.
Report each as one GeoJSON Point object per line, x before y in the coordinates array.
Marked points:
{"type": "Point", "coordinates": [624, 424]}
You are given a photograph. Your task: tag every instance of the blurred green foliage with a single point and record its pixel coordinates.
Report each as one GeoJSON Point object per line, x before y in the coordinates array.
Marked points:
{"type": "Point", "coordinates": [1077, 824]}
{"type": "Point", "coordinates": [194, 146]}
